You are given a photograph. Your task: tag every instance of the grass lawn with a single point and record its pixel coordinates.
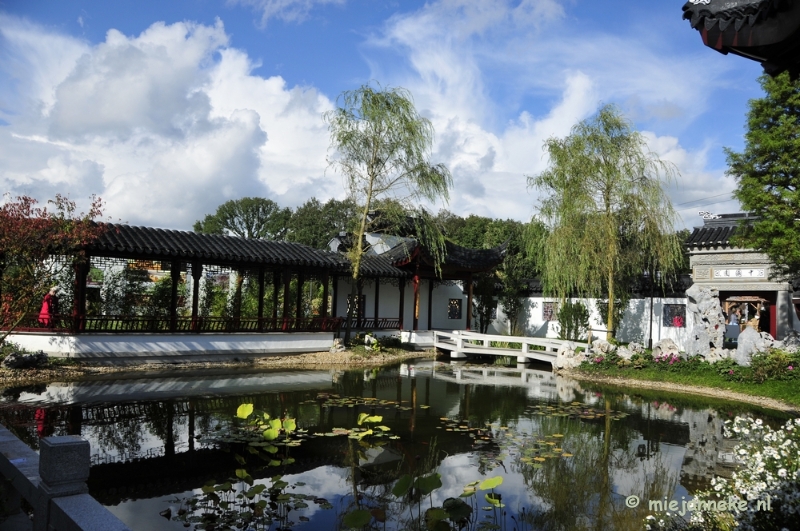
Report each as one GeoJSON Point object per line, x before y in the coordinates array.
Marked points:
{"type": "Point", "coordinates": [705, 375]}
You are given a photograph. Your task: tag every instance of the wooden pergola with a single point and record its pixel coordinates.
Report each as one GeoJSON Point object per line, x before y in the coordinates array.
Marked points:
{"type": "Point", "coordinates": [269, 262]}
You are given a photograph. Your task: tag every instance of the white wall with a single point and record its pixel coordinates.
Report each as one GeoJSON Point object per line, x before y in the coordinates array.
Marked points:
{"type": "Point", "coordinates": [389, 303]}
{"type": "Point", "coordinates": [634, 325]}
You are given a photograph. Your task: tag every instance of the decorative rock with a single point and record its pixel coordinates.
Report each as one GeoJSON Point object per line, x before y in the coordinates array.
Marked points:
{"type": "Point", "coordinates": [601, 346]}
{"type": "Point", "coordinates": [337, 346]}
{"type": "Point", "coordinates": [17, 360]}
{"type": "Point", "coordinates": [791, 343]}
{"type": "Point", "coordinates": [751, 342]}
{"type": "Point", "coordinates": [370, 341]}
{"type": "Point", "coordinates": [625, 352]}
{"type": "Point", "coordinates": [666, 346]}
{"type": "Point", "coordinates": [568, 357]}
{"type": "Point", "coordinates": [703, 304]}
{"type": "Point", "coordinates": [636, 348]}
{"type": "Point", "coordinates": [717, 354]}
{"type": "Point", "coordinates": [699, 342]}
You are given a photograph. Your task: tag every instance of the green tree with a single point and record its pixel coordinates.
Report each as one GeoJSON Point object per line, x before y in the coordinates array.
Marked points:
{"type": "Point", "coordinates": [315, 223]}
{"type": "Point", "coordinates": [768, 174]}
{"type": "Point", "coordinates": [248, 217]}
{"type": "Point", "coordinates": [381, 147]}
{"type": "Point", "coordinates": [606, 210]}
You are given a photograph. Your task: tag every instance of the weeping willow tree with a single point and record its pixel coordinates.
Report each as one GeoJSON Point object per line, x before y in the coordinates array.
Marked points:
{"type": "Point", "coordinates": [608, 215]}
{"type": "Point", "coordinates": [381, 146]}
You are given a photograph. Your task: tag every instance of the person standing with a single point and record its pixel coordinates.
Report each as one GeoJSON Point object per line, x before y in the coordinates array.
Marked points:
{"type": "Point", "coordinates": [49, 311]}
{"type": "Point", "coordinates": [734, 317]}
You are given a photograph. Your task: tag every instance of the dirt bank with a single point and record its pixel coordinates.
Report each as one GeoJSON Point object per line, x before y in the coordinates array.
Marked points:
{"type": "Point", "coordinates": [715, 392]}
{"type": "Point", "coordinates": [315, 360]}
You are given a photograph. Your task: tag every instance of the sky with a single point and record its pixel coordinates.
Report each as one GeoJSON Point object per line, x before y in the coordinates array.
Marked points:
{"type": "Point", "coordinates": [168, 109]}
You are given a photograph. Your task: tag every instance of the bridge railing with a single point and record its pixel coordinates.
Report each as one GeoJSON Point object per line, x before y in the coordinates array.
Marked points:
{"type": "Point", "coordinates": [463, 342]}
{"type": "Point", "coordinates": [53, 482]}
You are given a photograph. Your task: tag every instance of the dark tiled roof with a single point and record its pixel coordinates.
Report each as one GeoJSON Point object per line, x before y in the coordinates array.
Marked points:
{"type": "Point", "coordinates": [125, 241]}
{"type": "Point", "coordinates": [705, 14]}
{"type": "Point", "coordinates": [717, 232]}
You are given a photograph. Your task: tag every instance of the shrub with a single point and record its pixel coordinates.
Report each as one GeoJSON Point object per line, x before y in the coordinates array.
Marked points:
{"type": "Point", "coordinates": [574, 320]}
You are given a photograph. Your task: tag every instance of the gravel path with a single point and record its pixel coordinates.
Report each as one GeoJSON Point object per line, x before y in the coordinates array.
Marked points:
{"type": "Point", "coordinates": [316, 360]}
{"type": "Point", "coordinates": [724, 394]}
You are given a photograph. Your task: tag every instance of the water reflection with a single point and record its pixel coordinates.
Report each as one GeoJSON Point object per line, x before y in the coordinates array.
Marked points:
{"type": "Point", "coordinates": [155, 438]}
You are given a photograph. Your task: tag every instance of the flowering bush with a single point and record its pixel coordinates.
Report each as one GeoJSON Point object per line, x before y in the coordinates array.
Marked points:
{"type": "Point", "coordinates": [670, 359]}
{"type": "Point", "coordinates": [764, 494]}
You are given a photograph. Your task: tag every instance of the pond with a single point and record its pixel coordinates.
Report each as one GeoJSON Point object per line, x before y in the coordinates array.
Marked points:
{"type": "Point", "coordinates": [487, 446]}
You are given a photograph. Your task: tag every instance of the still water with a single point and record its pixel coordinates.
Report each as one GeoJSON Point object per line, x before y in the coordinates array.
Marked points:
{"type": "Point", "coordinates": [570, 454]}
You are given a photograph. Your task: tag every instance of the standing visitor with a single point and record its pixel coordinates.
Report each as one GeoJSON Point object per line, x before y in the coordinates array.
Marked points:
{"type": "Point", "coordinates": [49, 309]}
{"type": "Point", "coordinates": [734, 318]}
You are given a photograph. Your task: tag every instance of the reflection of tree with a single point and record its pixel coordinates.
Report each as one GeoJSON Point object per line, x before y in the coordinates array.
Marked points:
{"type": "Point", "coordinates": [124, 436]}
{"type": "Point", "coordinates": [577, 492]}
{"type": "Point", "coordinates": [481, 403]}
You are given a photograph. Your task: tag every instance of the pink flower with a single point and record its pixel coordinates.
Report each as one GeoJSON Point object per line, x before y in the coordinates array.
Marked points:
{"type": "Point", "coordinates": [791, 368]}
{"type": "Point", "coordinates": [730, 371]}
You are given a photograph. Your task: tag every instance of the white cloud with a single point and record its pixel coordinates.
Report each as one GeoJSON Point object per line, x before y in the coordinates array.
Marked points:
{"type": "Point", "coordinates": [164, 126]}
{"type": "Point", "coordinates": [287, 10]}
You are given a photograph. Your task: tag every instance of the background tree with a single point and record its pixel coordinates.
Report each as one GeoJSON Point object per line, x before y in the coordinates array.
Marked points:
{"type": "Point", "coordinates": [37, 245]}
{"type": "Point", "coordinates": [768, 174]}
{"type": "Point", "coordinates": [315, 223]}
{"type": "Point", "coordinates": [381, 147]}
{"type": "Point", "coordinates": [248, 217]}
{"type": "Point", "coordinates": [606, 210]}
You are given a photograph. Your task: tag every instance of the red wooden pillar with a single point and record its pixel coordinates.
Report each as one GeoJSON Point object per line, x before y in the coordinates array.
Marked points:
{"type": "Point", "coordinates": [287, 278]}
{"type": "Point", "coordinates": [79, 301]}
{"type": "Point", "coordinates": [469, 302]}
{"type": "Point", "coordinates": [197, 273]}
{"type": "Point", "coordinates": [261, 299]}
{"type": "Point", "coordinates": [402, 309]}
{"type": "Point", "coordinates": [175, 277]}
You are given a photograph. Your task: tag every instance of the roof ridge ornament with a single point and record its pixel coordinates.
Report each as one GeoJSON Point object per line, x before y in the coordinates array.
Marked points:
{"type": "Point", "coordinates": [702, 213]}
{"type": "Point", "coordinates": [704, 2]}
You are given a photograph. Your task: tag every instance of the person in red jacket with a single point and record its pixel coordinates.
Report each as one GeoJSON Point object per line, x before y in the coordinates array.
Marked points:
{"type": "Point", "coordinates": [49, 308]}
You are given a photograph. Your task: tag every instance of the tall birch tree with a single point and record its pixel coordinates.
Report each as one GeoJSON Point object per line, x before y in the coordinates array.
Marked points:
{"type": "Point", "coordinates": [381, 145]}
{"type": "Point", "coordinates": [606, 210]}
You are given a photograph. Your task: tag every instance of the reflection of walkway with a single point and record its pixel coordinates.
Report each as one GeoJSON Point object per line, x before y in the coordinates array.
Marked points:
{"type": "Point", "coordinates": [176, 387]}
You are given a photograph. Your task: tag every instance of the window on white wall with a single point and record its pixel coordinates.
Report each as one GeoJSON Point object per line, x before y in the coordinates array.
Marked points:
{"type": "Point", "coordinates": [675, 315]}
{"type": "Point", "coordinates": [550, 311]}
{"type": "Point", "coordinates": [454, 309]}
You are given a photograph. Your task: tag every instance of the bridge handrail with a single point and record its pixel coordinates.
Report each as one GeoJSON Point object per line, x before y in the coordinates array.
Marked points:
{"type": "Point", "coordinates": [54, 483]}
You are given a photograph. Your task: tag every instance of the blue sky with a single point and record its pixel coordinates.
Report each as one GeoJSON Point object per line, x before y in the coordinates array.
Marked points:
{"type": "Point", "coordinates": [167, 109]}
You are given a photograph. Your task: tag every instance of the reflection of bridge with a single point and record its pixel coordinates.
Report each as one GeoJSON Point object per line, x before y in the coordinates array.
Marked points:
{"type": "Point", "coordinates": [463, 344]}
{"type": "Point", "coordinates": [540, 384]}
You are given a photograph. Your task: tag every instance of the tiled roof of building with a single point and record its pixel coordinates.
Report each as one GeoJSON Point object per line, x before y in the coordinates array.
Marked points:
{"type": "Point", "coordinates": [705, 14]}
{"type": "Point", "coordinates": [717, 232]}
{"type": "Point", "coordinates": [126, 241]}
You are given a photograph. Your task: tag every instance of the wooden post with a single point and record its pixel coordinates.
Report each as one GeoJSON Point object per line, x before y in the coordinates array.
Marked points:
{"type": "Point", "coordinates": [430, 304]}
{"type": "Point", "coordinates": [276, 282]}
{"type": "Point", "coordinates": [299, 309]}
{"type": "Point", "coordinates": [323, 311]}
{"type": "Point", "coordinates": [469, 302]}
{"type": "Point", "coordinates": [174, 276]}
{"type": "Point", "coordinates": [377, 299]}
{"type": "Point", "coordinates": [416, 300]}
{"type": "Point", "coordinates": [287, 279]}
{"type": "Point", "coordinates": [261, 299]}
{"type": "Point", "coordinates": [358, 308]}
{"type": "Point", "coordinates": [79, 302]}
{"type": "Point", "coordinates": [401, 311]}
{"type": "Point", "coordinates": [197, 273]}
